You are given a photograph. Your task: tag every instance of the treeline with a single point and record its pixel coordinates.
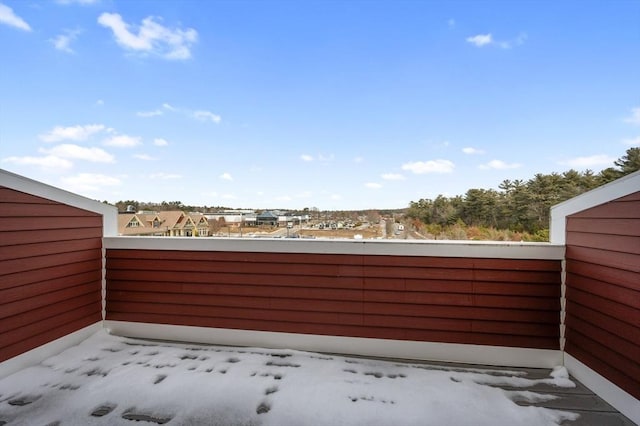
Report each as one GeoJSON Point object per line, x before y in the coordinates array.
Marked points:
{"type": "Point", "coordinates": [518, 206]}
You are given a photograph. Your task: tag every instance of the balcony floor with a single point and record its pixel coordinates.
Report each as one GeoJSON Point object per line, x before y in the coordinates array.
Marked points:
{"type": "Point", "coordinates": [110, 380]}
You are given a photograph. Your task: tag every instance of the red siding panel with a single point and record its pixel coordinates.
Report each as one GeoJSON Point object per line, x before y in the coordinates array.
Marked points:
{"type": "Point", "coordinates": [603, 290]}
{"type": "Point", "coordinates": [50, 270]}
{"type": "Point", "coordinates": [458, 300]}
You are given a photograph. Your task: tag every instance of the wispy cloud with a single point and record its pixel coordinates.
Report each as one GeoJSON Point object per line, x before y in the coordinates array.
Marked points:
{"type": "Point", "coordinates": [392, 176]}
{"type": "Point", "coordinates": [160, 142]}
{"type": "Point", "coordinates": [147, 114]}
{"type": "Point", "coordinates": [589, 161]}
{"type": "Point", "coordinates": [226, 176]}
{"type": "Point", "coordinates": [8, 17]}
{"type": "Point", "coordinates": [451, 23]}
{"type": "Point", "coordinates": [72, 133]}
{"type": "Point", "coordinates": [81, 2]}
{"type": "Point", "coordinates": [472, 151]}
{"type": "Point", "coordinates": [306, 157]}
{"type": "Point", "coordinates": [481, 40]}
{"type": "Point", "coordinates": [634, 118]}
{"type": "Point", "coordinates": [76, 152]}
{"type": "Point", "coordinates": [358, 160]}
{"type": "Point", "coordinates": [123, 141]}
{"type": "Point", "coordinates": [151, 37]}
{"type": "Point", "coordinates": [499, 165]}
{"type": "Point", "coordinates": [206, 116]}
{"type": "Point", "coordinates": [373, 185]}
{"type": "Point", "coordinates": [63, 41]}
{"type": "Point", "coordinates": [49, 162]}
{"type": "Point", "coordinates": [431, 166]}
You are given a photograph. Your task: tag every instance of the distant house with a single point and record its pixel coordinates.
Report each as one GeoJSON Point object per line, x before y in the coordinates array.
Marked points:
{"type": "Point", "coordinates": [167, 223]}
{"type": "Point", "coordinates": [267, 218]}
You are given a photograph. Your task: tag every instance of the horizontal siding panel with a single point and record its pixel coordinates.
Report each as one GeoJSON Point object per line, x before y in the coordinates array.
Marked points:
{"type": "Point", "coordinates": [612, 210]}
{"type": "Point", "coordinates": [40, 314]}
{"type": "Point", "coordinates": [612, 226]}
{"type": "Point", "coordinates": [437, 311]}
{"type": "Point", "coordinates": [22, 224]}
{"type": "Point", "coordinates": [13, 238]}
{"type": "Point", "coordinates": [47, 261]}
{"type": "Point", "coordinates": [610, 341]}
{"type": "Point", "coordinates": [33, 342]}
{"type": "Point", "coordinates": [41, 210]}
{"type": "Point", "coordinates": [42, 287]}
{"type": "Point", "coordinates": [317, 293]}
{"type": "Point", "coordinates": [611, 276]}
{"type": "Point", "coordinates": [8, 195]}
{"type": "Point", "coordinates": [14, 308]}
{"type": "Point", "coordinates": [41, 249]}
{"type": "Point", "coordinates": [599, 288]}
{"type": "Point", "coordinates": [611, 259]}
{"type": "Point", "coordinates": [50, 323]}
{"type": "Point", "coordinates": [237, 290]}
{"type": "Point", "coordinates": [604, 321]}
{"type": "Point", "coordinates": [30, 277]}
{"type": "Point", "coordinates": [617, 310]}
{"type": "Point", "coordinates": [599, 351]}
{"type": "Point", "coordinates": [618, 243]}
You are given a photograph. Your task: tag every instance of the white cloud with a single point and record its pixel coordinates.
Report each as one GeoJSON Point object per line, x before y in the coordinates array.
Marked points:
{"type": "Point", "coordinates": [226, 176]}
{"type": "Point", "coordinates": [83, 182]}
{"type": "Point", "coordinates": [73, 133]}
{"type": "Point", "coordinates": [7, 17]}
{"type": "Point", "coordinates": [169, 107]}
{"type": "Point", "coordinates": [451, 23]}
{"type": "Point", "coordinates": [632, 142]}
{"type": "Point", "coordinates": [306, 157]}
{"type": "Point", "coordinates": [123, 141]}
{"type": "Point", "coordinates": [499, 165]}
{"type": "Point", "coordinates": [160, 142]}
{"type": "Point", "coordinates": [63, 41]}
{"type": "Point", "coordinates": [147, 114]}
{"type": "Point", "coordinates": [472, 151]}
{"type": "Point", "coordinates": [431, 166]}
{"type": "Point", "coordinates": [99, 102]}
{"type": "Point", "coordinates": [326, 158]}
{"type": "Point", "coordinates": [206, 116]}
{"type": "Point", "coordinates": [480, 40]}
{"type": "Point", "coordinates": [75, 152]}
{"type": "Point", "coordinates": [151, 37]}
{"type": "Point", "coordinates": [373, 185]}
{"type": "Point", "coordinates": [49, 162]}
{"type": "Point", "coordinates": [590, 161]}
{"type": "Point", "coordinates": [165, 176]}
{"type": "Point", "coordinates": [358, 160]}
{"type": "Point", "coordinates": [522, 37]}
{"type": "Point", "coordinates": [144, 157]}
{"type": "Point", "coordinates": [392, 176]}
{"type": "Point", "coordinates": [634, 118]}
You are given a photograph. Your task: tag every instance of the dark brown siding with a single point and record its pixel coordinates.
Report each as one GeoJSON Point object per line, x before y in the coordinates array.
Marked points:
{"type": "Point", "coordinates": [50, 271]}
{"type": "Point", "coordinates": [459, 300]}
{"type": "Point", "coordinates": [603, 290]}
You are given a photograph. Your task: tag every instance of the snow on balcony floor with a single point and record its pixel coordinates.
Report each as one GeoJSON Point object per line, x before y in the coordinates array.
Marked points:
{"type": "Point", "coordinates": [110, 380]}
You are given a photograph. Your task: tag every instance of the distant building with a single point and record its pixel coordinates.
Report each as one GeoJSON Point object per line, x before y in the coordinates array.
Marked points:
{"type": "Point", "coordinates": [173, 223]}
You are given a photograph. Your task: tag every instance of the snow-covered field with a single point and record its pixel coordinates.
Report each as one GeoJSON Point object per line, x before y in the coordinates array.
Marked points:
{"type": "Point", "coordinates": [110, 380]}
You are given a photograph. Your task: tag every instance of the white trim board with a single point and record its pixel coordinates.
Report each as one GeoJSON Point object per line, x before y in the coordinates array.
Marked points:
{"type": "Point", "coordinates": [618, 398]}
{"type": "Point", "coordinates": [20, 183]}
{"type": "Point", "coordinates": [39, 354]}
{"type": "Point", "coordinates": [451, 352]}
{"type": "Point", "coordinates": [466, 249]}
{"type": "Point", "coordinates": [612, 191]}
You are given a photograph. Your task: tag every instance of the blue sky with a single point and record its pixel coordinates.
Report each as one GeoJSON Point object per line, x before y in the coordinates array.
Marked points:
{"type": "Point", "coordinates": [329, 104]}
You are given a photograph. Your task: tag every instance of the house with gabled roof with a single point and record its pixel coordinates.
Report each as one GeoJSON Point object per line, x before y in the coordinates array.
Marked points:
{"type": "Point", "coordinates": [167, 223]}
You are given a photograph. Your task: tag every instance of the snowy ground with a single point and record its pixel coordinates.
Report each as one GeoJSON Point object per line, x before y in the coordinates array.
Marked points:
{"type": "Point", "coordinates": [109, 380]}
